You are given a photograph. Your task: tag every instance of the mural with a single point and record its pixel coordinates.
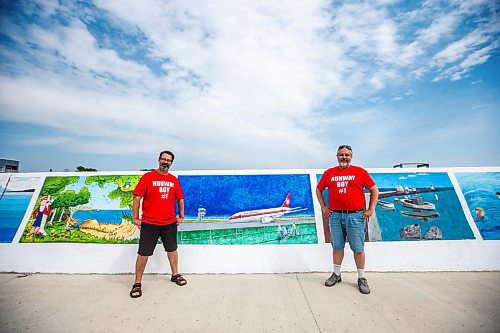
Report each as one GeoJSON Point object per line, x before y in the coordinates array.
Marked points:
{"type": "Point", "coordinates": [248, 209]}
{"type": "Point", "coordinates": [419, 206]}
{"type": "Point", "coordinates": [482, 193]}
{"type": "Point", "coordinates": [416, 206]}
{"type": "Point", "coordinates": [88, 209]}
{"type": "Point", "coordinates": [15, 195]}
{"type": "Point", "coordinates": [260, 209]}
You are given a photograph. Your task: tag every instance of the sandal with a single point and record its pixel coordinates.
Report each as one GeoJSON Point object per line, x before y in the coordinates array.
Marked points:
{"type": "Point", "coordinates": [178, 279]}
{"type": "Point", "coordinates": [136, 290]}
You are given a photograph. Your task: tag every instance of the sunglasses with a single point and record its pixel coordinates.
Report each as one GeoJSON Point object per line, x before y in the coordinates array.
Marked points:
{"type": "Point", "coordinates": [345, 146]}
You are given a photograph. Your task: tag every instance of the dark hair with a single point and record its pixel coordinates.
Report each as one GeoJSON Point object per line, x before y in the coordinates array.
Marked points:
{"type": "Point", "coordinates": [345, 146]}
{"type": "Point", "coordinates": [167, 152]}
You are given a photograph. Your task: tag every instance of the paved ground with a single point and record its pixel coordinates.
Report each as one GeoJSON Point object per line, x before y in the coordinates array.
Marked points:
{"type": "Point", "coordinates": [399, 302]}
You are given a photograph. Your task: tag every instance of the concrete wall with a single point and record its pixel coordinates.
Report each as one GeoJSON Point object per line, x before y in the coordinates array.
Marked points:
{"type": "Point", "coordinates": [476, 247]}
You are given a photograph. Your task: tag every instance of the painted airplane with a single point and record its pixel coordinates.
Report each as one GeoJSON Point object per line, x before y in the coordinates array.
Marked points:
{"type": "Point", "coordinates": [266, 215]}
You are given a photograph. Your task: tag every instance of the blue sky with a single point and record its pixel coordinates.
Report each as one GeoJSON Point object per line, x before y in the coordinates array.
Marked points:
{"type": "Point", "coordinates": [248, 84]}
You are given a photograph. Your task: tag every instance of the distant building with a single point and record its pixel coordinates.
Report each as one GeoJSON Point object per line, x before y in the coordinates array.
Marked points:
{"type": "Point", "coordinates": [9, 165]}
{"type": "Point", "coordinates": [201, 213]}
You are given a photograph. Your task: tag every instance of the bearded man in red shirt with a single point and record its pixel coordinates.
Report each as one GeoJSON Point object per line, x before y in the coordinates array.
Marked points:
{"type": "Point", "coordinates": [158, 190]}
{"type": "Point", "coordinates": [346, 212]}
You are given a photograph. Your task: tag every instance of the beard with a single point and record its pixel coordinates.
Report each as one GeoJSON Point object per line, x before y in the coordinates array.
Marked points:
{"type": "Point", "coordinates": [344, 164]}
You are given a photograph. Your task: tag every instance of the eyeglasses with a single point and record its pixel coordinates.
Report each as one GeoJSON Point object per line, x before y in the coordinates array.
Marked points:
{"type": "Point", "coordinates": [164, 159]}
{"type": "Point", "coordinates": [344, 146]}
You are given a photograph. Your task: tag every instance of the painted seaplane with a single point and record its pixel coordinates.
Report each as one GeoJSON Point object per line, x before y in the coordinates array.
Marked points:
{"type": "Point", "coordinates": [266, 215]}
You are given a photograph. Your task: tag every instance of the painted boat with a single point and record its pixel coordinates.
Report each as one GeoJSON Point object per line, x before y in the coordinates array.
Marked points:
{"type": "Point", "coordinates": [386, 204]}
{"type": "Point", "coordinates": [417, 202]}
{"type": "Point", "coordinates": [421, 215]}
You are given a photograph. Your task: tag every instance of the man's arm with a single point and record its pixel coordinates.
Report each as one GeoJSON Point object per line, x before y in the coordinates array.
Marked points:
{"type": "Point", "coordinates": [136, 204]}
{"type": "Point", "coordinates": [324, 208]}
{"type": "Point", "coordinates": [180, 204]}
{"type": "Point", "coordinates": [373, 203]}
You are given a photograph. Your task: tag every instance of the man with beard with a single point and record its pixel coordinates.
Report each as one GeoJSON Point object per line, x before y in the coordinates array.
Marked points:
{"type": "Point", "coordinates": [158, 191]}
{"type": "Point", "coordinates": [346, 212]}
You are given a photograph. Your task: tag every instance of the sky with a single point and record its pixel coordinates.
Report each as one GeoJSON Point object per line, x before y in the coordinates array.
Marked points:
{"type": "Point", "coordinates": [228, 84]}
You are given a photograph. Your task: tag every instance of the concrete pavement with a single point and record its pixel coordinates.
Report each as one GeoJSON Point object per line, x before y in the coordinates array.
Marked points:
{"type": "Point", "coordinates": [399, 302]}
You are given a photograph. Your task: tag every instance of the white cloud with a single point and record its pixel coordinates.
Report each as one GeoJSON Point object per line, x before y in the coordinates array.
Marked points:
{"type": "Point", "coordinates": [237, 79]}
{"type": "Point", "coordinates": [458, 49]}
{"type": "Point", "coordinates": [468, 51]}
{"type": "Point", "coordinates": [440, 27]}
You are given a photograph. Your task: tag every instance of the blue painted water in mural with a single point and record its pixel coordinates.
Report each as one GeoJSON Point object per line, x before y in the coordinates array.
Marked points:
{"type": "Point", "coordinates": [451, 221]}
{"type": "Point", "coordinates": [102, 216]}
{"type": "Point", "coordinates": [12, 209]}
{"type": "Point", "coordinates": [480, 191]}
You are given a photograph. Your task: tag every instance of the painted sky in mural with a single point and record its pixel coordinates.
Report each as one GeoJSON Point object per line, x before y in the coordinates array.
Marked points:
{"type": "Point", "coordinates": [15, 195]}
{"type": "Point", "coordinates": [223, 196]}
{"type": "Point", "coordinates": [248, 84]}
{"type": "Point", "coordinates": [482, 193]}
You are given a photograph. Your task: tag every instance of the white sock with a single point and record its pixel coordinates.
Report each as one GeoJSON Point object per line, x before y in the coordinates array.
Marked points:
{"type": "Point", "coordinates": [336, 269]}
{"type": "Point", "coordinates": [361, 273]}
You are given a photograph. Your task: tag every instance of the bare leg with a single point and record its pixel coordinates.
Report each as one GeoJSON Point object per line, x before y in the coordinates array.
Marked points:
{"type": "Point", "coordinates": [359, 258]}
{"type": "Point", "coordinates": [173, 259]}
{"type": "Point", "coordinates": [140, 265]}
{"type": "Point", "coordinates": [338, 256]}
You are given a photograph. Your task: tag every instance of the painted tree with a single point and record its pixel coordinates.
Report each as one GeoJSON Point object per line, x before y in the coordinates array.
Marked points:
{"type": "Point", "coordinates": [125, 187]}
{"type": "Point", "coordinates": [52, 187]}
{"type": "Point", "coordinates": [71, 201]}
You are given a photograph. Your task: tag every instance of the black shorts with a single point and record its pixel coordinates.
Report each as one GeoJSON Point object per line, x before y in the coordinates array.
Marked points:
{"type": "Point", "coordinates": [150, 234]}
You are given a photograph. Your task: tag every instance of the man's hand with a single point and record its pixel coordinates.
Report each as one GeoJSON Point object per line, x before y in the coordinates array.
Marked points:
{"type": "Point", "coordinates": [326, 212]}
{"type": "Point", "coordinates": [137, 222]}
{"type": "Point", "coordinates": [367, 213]}
{"type": "Point", "coordinates": [180, 220]}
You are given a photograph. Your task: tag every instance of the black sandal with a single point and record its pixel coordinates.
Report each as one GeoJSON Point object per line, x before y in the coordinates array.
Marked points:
{"type": "Point", "coordinates": [179, 280]}
{"type": "Point", "coordinates": [136, 290]}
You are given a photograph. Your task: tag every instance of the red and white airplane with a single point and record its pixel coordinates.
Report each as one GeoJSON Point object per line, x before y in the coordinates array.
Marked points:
{"type": "Point", "coordinates": [266, 215]}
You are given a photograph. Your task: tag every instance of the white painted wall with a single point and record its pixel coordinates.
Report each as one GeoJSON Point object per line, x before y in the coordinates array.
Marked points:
{"type": "Point", "coordinates": [469, 255]}
{"type": "Point", "coordinates": [460, 255]}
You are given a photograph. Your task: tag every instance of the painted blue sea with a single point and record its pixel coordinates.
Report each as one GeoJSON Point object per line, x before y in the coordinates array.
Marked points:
{"type": "Point", "coordinates": [480, 191]}
{"type": "Point", "coordinates": [452, 221]}
{"type": "Point", "coordinates": [102, 216]}
{"type": "Point", "coordinates": [12, 209]}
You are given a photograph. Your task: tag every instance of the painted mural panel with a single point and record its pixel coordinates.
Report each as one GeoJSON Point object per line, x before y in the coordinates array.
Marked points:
{"type": "Point", "coordinates": [248, 209]}
{"type": "Point", "coordinates": [225, 210]}
{"type": "Point", "coordinates": [15, 195]}
{"type": "Point", "coordinates": [87, 209]}
{"type": "Point", "coordinates": [417, 206]}
{"type": "Point", "coordinates": [482, 193]}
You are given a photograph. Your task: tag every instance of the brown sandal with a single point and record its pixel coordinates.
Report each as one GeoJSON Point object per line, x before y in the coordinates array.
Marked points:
{"type": "Point", "coordinates": [179, 280]}
{"type": "Point", "coordinates": [136, 290]}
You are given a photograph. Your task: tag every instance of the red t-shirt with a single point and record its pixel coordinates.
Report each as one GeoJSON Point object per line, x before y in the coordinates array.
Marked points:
{"type": "Point", "coordinates": [159, 193]}
{"type": "Point", "coordinates": [345, 187]}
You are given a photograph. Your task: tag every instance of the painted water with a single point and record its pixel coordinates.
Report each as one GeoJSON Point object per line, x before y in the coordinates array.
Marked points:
{"type": "Point", "coordinates": [481, 191]}
{"type": "Point", "coordinates": [451, 220]}
{"type": "Point", "coordinates": [12, 209]}
{"type": "Point", "coordinates": [101, 216]}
